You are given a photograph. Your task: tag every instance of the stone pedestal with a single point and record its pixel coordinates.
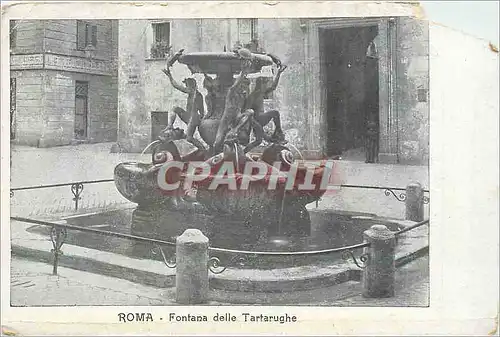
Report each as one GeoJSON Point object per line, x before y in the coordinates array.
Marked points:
{"type": "Point", "coordinates": [414, 202]}
{"type": "Point", "coordinates": [192, 267]}
{"type": "Point", "coordinates": [378, 275]}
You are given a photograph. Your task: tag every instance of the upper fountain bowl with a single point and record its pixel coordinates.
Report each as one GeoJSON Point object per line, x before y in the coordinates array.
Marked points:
{"type": "Point", "coordinates": [216, 63]}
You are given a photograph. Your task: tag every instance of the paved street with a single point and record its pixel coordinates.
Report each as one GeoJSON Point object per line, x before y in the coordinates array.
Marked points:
{"type": "Point", "coordinates": [43, 166]}
{"type": "Point", "coordinates": [32, 284]}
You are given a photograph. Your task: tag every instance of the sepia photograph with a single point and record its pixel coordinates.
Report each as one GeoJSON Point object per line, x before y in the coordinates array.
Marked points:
{"type": "Point", "coordinates": [243, 163]}
{"type": "Point", "coordinates": [339, 104]}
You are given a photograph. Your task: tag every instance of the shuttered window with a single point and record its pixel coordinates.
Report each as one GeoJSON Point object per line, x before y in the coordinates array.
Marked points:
{"type": "Point", "coordinates": [86, 35]}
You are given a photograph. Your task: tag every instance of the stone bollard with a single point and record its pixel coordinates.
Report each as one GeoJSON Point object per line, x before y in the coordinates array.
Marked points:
{"type": "Point", "coordinates": [191, 278]}
{"type": "Point", "coordinates": [378, 275]}
{"type": "Point", "coordinates": [414, 202]}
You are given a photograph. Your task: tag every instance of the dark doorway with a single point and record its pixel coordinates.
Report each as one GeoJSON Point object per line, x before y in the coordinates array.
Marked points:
{"type": "Point", "coordinates": [352, 88]}
{"type": "Point", "coordinates": [81, 109]}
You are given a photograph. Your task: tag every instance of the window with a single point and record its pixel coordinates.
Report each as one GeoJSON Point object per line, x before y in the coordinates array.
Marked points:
{"type": "Point", "coordinates": [161, 40]}
{"type": "Point", "coordinates": [86, 35]}
{"type": "Point", "coordinates": [247, 33]}
{"type": "Point", "coordinates": [13, 33]}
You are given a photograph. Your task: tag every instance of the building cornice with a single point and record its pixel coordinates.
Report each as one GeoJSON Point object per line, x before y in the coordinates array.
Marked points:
{"type": "Point", "coordinates": [50, 61]}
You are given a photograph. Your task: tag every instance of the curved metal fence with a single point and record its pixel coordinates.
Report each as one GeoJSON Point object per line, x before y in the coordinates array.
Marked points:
{"type": "Point", "coordinates": [59, 232]}
{"type": "Point", "coordinates": [77, 188]}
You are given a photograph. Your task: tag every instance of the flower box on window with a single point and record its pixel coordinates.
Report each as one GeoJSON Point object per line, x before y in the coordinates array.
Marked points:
{"type": "Point", "coordinates": [160, 49]}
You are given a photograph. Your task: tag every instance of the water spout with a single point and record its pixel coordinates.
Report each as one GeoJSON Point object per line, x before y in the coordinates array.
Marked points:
{"type": "Point", "coordinates": [147, 147]}
{"type": "Point", "coordinates": [295, 148]}
{"type": "Point", "coordinates": [237, 158]}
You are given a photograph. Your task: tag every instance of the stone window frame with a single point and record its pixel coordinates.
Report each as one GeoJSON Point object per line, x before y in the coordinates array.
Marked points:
{"type": "Point", "coordinates": [160, 48]}
{"type": "Point", "coordinates": [253, 23]}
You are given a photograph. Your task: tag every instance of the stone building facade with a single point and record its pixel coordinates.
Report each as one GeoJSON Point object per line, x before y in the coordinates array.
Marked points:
{"type": "Point", "coordinates": [64, 81]}
{"type": "Point", "coordinates": [322, 95]}
{"type": "Point", "coordinates": [340, 73]}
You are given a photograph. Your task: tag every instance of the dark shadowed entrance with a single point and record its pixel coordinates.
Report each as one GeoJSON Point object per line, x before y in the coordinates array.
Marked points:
{"type": "Point", "coordinates": [352, 91]}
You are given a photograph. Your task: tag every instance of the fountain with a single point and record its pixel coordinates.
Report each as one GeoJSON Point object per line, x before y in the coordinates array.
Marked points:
{"type": "Point", "coordinates": [269, 216]}
{"type": "Point", "coordinates": [263, 242]}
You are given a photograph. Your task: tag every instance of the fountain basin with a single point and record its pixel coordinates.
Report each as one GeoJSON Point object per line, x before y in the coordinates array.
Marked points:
{"type": "Point", "coordinates": [138, 263]}
{"type": "Point", "coordinates": [273, 208]}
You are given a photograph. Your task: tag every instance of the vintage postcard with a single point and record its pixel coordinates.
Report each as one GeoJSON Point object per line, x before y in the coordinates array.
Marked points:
{"type": "Point", "coordinates": [183, 168]}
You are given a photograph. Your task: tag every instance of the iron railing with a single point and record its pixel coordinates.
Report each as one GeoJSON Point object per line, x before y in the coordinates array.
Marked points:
{"type": "Point", "coordinates": [388, 191]}
{"type": "Point", "coordinates": [242, 256]}
{"type": "Point", "coordinates": [76, 188]}
{"type": "Point", "coordinates": [58, 235]}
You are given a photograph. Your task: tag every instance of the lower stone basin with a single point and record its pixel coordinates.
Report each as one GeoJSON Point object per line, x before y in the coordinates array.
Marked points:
{"type": "Point", "coordinates": [328, 230]}
{"type": "Point", "coordinates": [138, 262]}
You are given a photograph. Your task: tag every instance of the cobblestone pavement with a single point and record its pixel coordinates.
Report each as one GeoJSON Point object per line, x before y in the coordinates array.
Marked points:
{"type": "Point", "coordinates": [411, 288]}
{"type": "Point", "coordinates": [32, 284]}
{"type": "Point", "coordinates": [34, 167]}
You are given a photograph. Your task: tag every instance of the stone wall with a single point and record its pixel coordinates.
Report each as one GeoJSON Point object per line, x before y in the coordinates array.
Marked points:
{"type": "Point", "coordinates": [412, 91]}
{"type": "Point", "coordinates": [285, 39]}
{"type": "Point", "coordinates": [102, 107]}
{"type": "Point", "coordinates": [131, 84]}
{"type": "Point", "coordinates": [61, 38]}
{"type": "Point", "coordinates": [45, 107]}
{"type": "Point", "coordinates": [29, 115]}
{"type": "Point", "coordinates": [29, 36]}
{"type": "Point", "coordinates": [59, 106]}
{"type": "Point", "coordinates": [143, 87]}
{"type": "Point", "coordinates": [215, 34]}
{"type": "Point", "coordinates": [45, 100]}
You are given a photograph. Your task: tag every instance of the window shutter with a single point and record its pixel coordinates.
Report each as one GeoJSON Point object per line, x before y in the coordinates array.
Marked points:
{"type": "Point", "coordinates": [156, 30]}
{"type": "Point", "coordinates": [81, 35]}
{"type": "Point", "coordinates": [166, 33]}
{"type": "Point", "coordinates": [94, 35]}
